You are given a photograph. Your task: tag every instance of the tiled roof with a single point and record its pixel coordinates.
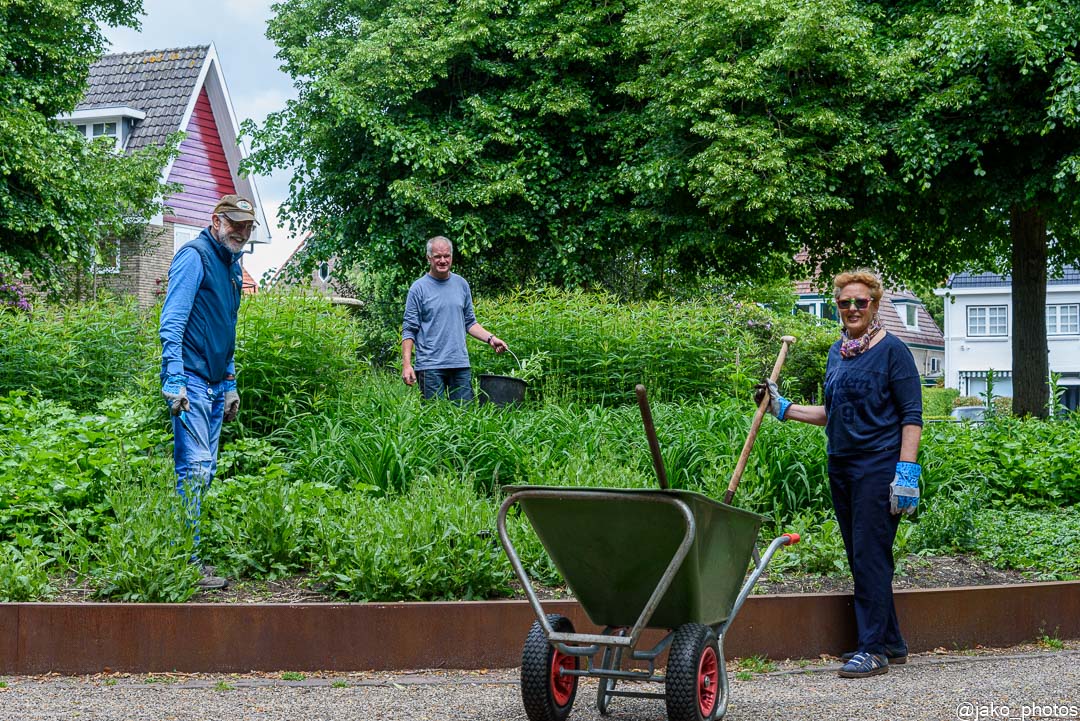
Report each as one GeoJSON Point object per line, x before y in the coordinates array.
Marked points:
{"type": "Point", "coordinates": [157, 82]}
{"type": "Point", "coordinates": [1070, 275]}
{"type": "Point", "coordinates": [928, 333]}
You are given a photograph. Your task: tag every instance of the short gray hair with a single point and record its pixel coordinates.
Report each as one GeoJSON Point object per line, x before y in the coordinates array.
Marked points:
{"type": "Point", "coordinates": [438, 239]}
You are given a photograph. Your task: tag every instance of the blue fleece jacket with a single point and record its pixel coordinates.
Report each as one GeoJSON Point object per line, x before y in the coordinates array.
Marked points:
{"type": "Point", "coordinates": [198, 319]}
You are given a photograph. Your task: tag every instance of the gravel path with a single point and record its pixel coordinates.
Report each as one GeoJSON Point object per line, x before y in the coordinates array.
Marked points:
{"type": "Point", "coordinates": [933, 687]}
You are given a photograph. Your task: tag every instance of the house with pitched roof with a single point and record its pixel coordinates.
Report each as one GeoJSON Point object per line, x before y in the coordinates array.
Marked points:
{"type": "Point", "coordinates": [141, 98]}
{"type": "Point", "coordinates": [979, 318]}
{"type": "Point", "coordinates": [901, 313]}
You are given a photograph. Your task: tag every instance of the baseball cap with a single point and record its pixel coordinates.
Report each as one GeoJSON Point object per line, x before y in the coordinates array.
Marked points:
{"type": "Point", "coordinates": [236, 208]}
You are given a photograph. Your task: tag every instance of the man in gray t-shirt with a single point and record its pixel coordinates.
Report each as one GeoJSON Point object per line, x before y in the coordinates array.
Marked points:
{"type": "Point", "coordinates": [438, 314]}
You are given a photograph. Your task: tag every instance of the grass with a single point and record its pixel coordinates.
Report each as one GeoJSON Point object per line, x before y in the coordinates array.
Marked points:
{"type": "Point", "coordinates": [1052, 643]}
{"type": "Point", "coordinates": [224, 686]}
{"type": "Point", "coordinates": [292, 676]}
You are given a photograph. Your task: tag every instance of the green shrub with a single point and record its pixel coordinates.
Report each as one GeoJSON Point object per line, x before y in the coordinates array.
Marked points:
{"type": "Point", "coordinates": [24, 572]}
{"type": "Point", "coordinates": [1043, 542]}
{"type": "Point", "coordinates": [55, 461]}
{"type": "Point", "coordinates": [939, 402]}
{"type": "Point", "coordinates": [293, 351]}
{"type": "Point", "coordinates": [143, 551]}
{"type": "Point", "coordinates": [600, 348]}
{"type": "Point", "coordinates": [435, 542]}
{"type": "Point", "coordinates": [78, 353]}
{"type": "Point", "coordinates": [946, 521]}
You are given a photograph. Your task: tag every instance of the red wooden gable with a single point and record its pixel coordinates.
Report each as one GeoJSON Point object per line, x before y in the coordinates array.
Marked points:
{"type": "Point", "coordinates": [201, 168]}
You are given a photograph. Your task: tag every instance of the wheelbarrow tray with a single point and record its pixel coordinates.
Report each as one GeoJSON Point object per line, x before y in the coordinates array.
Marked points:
{"type": "Point", "coordinates": [613, 552]}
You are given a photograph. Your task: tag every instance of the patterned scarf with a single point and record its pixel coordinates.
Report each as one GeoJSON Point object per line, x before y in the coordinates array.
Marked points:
{"type": "Point", "coordinates": [851, 347]}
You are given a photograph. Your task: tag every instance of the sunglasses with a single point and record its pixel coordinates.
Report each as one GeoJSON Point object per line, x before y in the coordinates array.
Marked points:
{"type": "Point", "coordinates": [852, 303]}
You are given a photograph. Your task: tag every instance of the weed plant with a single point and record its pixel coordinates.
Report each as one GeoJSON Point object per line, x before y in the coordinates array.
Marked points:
{"type": "Point", "coordinates": [78, 354]}
{"type": "Point", "coordinates": [293, 351]}
{"type": "Point", "coordinates": [143, 551]}
{"type": "Point", "coordinates": [434, 542]}
{"type": "Point", "coordinates": [24, 573]}
{"type": "Point", "coordinates": [1041, 542]}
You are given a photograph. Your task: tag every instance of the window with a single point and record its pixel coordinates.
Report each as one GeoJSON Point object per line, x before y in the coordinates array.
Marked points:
{"type": "Point", "coordinates": [909, 314]}
{"type": "Point", "coordinates": [324, 272]}
{"type": "Point", "coordinates": [1063, 319]}
{"type": "Point", "coordinates": [101, 129]}
{"type": "Point", "coordinates": [183, 234]}
{"type": "Point", "coordinates": [935, 365]}
{"type": "Point", "coordinates": [987, 320]}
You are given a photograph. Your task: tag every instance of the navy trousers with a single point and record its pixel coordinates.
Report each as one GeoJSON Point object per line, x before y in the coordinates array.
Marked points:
{"type": "Point", "coordinates": [860, 494]}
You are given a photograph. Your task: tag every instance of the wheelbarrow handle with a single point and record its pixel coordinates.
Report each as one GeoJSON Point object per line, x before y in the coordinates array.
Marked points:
{"type": "Point", "coordinates": [650, 433]}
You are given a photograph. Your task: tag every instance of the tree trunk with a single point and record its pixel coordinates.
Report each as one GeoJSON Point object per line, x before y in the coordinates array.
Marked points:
{"type": "Point", "coordinates": [1030, 364]}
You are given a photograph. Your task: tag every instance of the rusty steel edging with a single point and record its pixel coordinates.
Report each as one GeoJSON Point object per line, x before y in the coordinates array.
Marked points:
{"type": "Point", "coordinates": [92, 637]}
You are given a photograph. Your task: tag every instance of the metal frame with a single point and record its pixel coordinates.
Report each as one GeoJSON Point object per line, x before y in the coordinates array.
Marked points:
{"type": "Point", "coordinates": [614, 639]}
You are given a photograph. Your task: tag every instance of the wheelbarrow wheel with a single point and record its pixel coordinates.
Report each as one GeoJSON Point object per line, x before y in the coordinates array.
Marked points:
{"type": "Point", "coordinates": [546, 694]}
{"type": "Point", "coordinates": [693, 689]}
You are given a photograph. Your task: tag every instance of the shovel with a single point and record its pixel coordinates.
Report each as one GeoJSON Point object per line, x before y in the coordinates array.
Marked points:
{"type": "Point", "coordinates": [756, 423]}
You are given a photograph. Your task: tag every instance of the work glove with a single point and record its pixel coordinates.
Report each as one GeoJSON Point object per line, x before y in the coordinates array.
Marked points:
{"type": "Point", "coordinates": [904, 490]}
{"type": "Point", "coordinates": [232, 400]}
{"type": "Point", "coordinates": [175, 391]}
{"type": "Point", "coordinates": [778, 405]}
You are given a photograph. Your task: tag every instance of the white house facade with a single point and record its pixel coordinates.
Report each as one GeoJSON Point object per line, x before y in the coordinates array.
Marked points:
{"type": "Point", "coordinates": [979, 318]}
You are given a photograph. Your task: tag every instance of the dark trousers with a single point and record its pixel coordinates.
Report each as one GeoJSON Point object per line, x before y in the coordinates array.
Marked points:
{"type": "Point", "coordinates": [452, 383]}
{"type": "Point", "coordinates": [860, 494]}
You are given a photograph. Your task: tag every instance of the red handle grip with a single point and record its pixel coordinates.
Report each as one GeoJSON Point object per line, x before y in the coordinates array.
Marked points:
{"type": "Point", "coordinates": [793, 538]}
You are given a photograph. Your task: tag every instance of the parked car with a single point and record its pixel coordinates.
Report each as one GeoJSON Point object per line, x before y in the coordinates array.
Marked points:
{"type": "Point", "coordinates": [969, 413]}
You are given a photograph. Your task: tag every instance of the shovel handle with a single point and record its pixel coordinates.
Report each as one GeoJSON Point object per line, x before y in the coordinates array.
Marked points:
{"type": "Point", "coordinates": [736, 476]}
{"type": "Point", "coordinates": [650, 433]}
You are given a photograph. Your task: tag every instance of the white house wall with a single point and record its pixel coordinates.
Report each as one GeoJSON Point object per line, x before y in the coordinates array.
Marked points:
{"type": "Point", "coordinates": [977, 354]}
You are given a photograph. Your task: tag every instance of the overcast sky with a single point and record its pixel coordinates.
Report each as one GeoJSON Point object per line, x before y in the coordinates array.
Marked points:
{"type": "Point", "coordinates": [237, 28]}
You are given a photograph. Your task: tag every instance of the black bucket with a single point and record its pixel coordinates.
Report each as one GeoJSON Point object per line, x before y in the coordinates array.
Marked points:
{"type": "Point", "coordinates": [501, 390]}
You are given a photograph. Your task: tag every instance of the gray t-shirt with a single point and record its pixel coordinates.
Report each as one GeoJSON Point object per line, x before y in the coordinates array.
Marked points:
{"type": "Point", "coordinates": [437, 315]}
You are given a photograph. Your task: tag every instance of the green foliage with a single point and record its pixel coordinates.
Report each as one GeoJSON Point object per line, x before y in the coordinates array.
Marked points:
{"type": "Point", "coordinates": [143, 552]}
{"type": "Point", "coordinates": [24, 573]}
{"type": "Point", "coordinates": [1043, 542]}
{"type": "Point", "coordinates": [56, 462]}
{"type": "Point", "coordinates": [434, 542]}
{"type": "Point", "coordinates": [947, 520]}
{"type": "Point", "coordinates": [78, 353]}
{"type": "Point", "coordinates": [292, 351]}
{"type": "Point", "coordinates": [599, 348]}
{"type": "Point", "coordinates": [939, 402]}
{"type": "Point", "coordinates": [502, 127]}
{"type": "Point", "coordinates": [1010, 458]}
{"type": "Point", "coordinates": [60, 195]}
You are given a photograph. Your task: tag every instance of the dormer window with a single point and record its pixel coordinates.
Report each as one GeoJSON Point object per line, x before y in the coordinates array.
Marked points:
{"type": "Point", "coordinates": [909, 314]}
{"type": "Point", "coordinates": [116, 123]}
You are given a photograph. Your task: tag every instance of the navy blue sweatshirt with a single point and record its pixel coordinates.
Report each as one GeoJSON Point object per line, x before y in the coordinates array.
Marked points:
{"type": "Point", "coordinates": [869, 398]}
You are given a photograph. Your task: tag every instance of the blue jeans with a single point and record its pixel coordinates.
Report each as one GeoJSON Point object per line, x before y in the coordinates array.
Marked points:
{"type": "Point", "coordinates": [195, 445]}
{"type": "Point", "coordinates": [452, 383]}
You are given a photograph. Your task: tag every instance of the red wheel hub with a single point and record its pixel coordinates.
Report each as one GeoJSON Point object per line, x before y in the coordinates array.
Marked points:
{"type": "Point", "coordinates": [708, 682]}
{"type": "Point", "coordinates": [562, 686]}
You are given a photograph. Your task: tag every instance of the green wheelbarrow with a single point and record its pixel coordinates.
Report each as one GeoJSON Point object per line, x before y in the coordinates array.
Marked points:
{"type": "Point", "coordinates": [636, 559]}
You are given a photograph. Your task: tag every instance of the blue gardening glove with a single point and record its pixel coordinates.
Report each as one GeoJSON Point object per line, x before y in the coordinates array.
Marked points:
{"type": "Point", "coordinates": [904, 490]}
{"type": "Point", "coordinates": [232, 400]}
{"type": "Point", "coordinates": [175, 391]}
{"type": "Point", "coordinates": [778, 405]}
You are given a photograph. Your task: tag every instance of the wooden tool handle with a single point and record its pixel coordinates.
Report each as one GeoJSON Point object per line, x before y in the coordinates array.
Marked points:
{"type": "Point", "coordinates": [650, 433]}
{"type": "Point", "coordinates": [736, 476]}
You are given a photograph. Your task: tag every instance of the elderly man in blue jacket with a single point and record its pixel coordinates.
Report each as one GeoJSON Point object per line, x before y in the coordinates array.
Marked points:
{"type": "Point", "coordinates": [198, 338]}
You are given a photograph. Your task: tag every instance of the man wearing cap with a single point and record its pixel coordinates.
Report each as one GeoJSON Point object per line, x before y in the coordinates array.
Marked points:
{"type": "Point", "coordinates": [198, 337]}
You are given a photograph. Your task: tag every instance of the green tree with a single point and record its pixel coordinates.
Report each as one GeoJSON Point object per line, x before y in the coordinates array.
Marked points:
{"type": "Point", "coordinates": [59, 195]}
{"type": "Point", "coordinates": [499, 124]}
{"type": "Point", "coordinates": [917, 138]}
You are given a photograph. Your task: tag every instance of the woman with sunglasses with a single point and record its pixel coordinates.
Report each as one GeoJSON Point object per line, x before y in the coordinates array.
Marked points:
{"type": "Point", "coordinates": [873, 424]}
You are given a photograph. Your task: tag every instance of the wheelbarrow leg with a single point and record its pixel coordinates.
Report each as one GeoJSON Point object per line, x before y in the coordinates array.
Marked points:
{"type": "Point", "coordinates": [611, 660]}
